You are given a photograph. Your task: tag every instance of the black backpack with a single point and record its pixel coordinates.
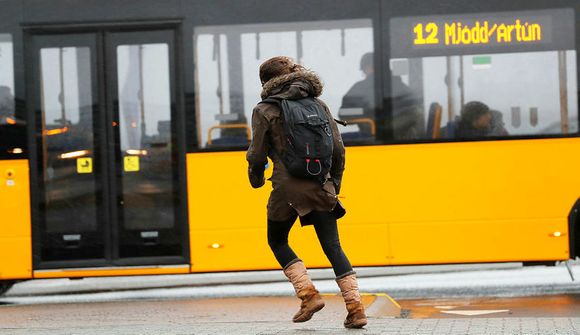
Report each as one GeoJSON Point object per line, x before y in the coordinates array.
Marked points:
{"type": "Point", "coordinates": [308, 138]}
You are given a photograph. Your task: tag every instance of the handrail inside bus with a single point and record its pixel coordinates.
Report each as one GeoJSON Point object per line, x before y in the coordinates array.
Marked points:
{"type": "Point", "coordinates": [435, 112]}
{"type": "Point", "coordinates": [368, 121]}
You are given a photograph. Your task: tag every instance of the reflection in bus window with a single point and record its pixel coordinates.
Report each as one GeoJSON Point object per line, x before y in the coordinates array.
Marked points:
{"type": "Point", "coordinates": [227, 59]}
{"type": "Point", "coordinates": [524, 93]}
{"type": "Point", "coordinates": [144, 96]}
{"type": "Point", "coordinates": [407, 121]}
{"type": "Point", "coordinates": [145, 132]}
{"type": "Point", "coordinates": [67, 135]}
{"type": "Point", "coordinates": [6, 80]}
{"type": "Point", "coordinates": [12, 127]}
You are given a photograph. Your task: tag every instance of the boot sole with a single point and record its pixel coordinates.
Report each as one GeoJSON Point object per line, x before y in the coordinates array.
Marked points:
{"type": "Point", "coordinates": [309, 315]}
{"type": "Point", "coordinates": [355, 325]}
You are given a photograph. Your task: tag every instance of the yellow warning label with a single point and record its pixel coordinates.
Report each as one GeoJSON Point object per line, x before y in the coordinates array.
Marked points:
{"type": "Point", "coordinates": [131, 163]}
{"type": "Point", "coordinates": [85, 165]}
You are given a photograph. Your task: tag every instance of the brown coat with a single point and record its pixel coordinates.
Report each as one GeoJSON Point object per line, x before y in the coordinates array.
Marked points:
{"type": "Point", "coordinates": [291, 196]}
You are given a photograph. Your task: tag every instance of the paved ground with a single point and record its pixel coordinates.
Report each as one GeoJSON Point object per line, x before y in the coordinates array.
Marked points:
{"type": "Point", "coordinates": [546, 326]}
{"type": "Point", "coordinates": [510, 300]}
{"type": "Point", "coordinates": [271, 315]}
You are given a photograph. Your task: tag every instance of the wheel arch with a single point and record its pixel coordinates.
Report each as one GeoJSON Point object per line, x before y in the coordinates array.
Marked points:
{"type": "Point", "coordinates": [574, 230]}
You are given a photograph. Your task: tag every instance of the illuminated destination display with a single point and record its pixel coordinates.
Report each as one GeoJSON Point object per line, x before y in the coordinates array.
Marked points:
{"type": "Point", "coordinates": [481, 32]}
{"type": "Point", "coordinates": [485, 32]}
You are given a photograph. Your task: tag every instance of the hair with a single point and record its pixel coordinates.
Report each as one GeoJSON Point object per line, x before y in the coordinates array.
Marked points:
{"type": "Point", "coordinates": [473, 110]}
{"type": "Point", "coordinates": [366, 61]}
{"type": "Point", "coordinates": [277, 66]}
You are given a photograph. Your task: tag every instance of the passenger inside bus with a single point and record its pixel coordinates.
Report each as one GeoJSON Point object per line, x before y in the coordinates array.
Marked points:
{"type": "Point", "coordinates": [497, 124]}
{"type": "Point", "coordinates": [476, 120]}
{"type": "Point", "coordinates": [358, 103]}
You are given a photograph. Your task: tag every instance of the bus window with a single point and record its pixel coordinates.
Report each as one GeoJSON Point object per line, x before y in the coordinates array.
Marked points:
{"type": "Point", "coordinates": [67, 135]}
{"type": "Point", "coordinates": [500, 75]}
{"type": "Point", "coordinates": [12, 128]}
{"type": "Point", "coordinates": [6, 80]}
{"type": "Point", "coordinates": [408, 119]}
{"type": "Point", "coordinates": [227, 59]}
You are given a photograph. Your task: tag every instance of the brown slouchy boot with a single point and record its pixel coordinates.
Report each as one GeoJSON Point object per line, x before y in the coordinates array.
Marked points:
{"type": "Point", "coordinates": [356, 317]}
{"type": "Point", "coordinates": [311, 299]}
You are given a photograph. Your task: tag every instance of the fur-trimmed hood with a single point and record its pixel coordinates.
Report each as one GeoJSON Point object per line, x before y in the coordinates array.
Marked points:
{"type": "Point", "coordinates": [296, 83]}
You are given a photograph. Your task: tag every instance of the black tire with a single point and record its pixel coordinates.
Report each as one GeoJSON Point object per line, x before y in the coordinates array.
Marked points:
{"type": "Point", "coordinates": [5, 286]}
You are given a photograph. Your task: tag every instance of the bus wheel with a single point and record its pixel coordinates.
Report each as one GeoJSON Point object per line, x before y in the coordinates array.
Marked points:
{"type": "Point", "coordinates": [5, 286]}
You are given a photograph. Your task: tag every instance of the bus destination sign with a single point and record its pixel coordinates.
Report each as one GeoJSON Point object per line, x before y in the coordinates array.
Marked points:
{"type": "Point", "coordinates": [482, 33]}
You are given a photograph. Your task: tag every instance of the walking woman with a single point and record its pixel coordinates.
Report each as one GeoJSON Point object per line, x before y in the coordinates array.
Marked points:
{"type": "Point", "coordinates": [314, 201]}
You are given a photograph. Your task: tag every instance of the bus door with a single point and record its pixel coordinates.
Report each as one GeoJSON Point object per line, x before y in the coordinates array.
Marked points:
{"type": "Point", "coordinates": [107, 150]}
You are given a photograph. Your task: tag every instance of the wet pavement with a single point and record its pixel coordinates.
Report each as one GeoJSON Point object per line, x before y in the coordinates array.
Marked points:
{"type": "Point", "coordinates": [566, 305]}
{"type": "Point", "coordinates": [559, 314]}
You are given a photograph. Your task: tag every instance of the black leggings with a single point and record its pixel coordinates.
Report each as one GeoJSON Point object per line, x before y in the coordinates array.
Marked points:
{"type": "Point", "coordinates": [327, 232]}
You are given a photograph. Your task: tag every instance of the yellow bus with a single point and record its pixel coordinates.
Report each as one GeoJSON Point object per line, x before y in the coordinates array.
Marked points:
{"type": "Point", "coordinates": [123, 130]}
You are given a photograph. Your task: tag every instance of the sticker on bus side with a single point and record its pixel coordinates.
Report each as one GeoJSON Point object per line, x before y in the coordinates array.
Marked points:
{"type": "Point", "coordinates": [85, 165]}
{"type": "Point", "coordinates": [131, 163]}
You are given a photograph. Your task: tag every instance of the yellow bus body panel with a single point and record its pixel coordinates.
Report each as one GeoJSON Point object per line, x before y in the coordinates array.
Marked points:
{"type": "Point", "coordinates": [488, 201]}
{"type": "Point", "coordinates": [15, 229]}
{"type": "Point", "coordinates": [105, 272]}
